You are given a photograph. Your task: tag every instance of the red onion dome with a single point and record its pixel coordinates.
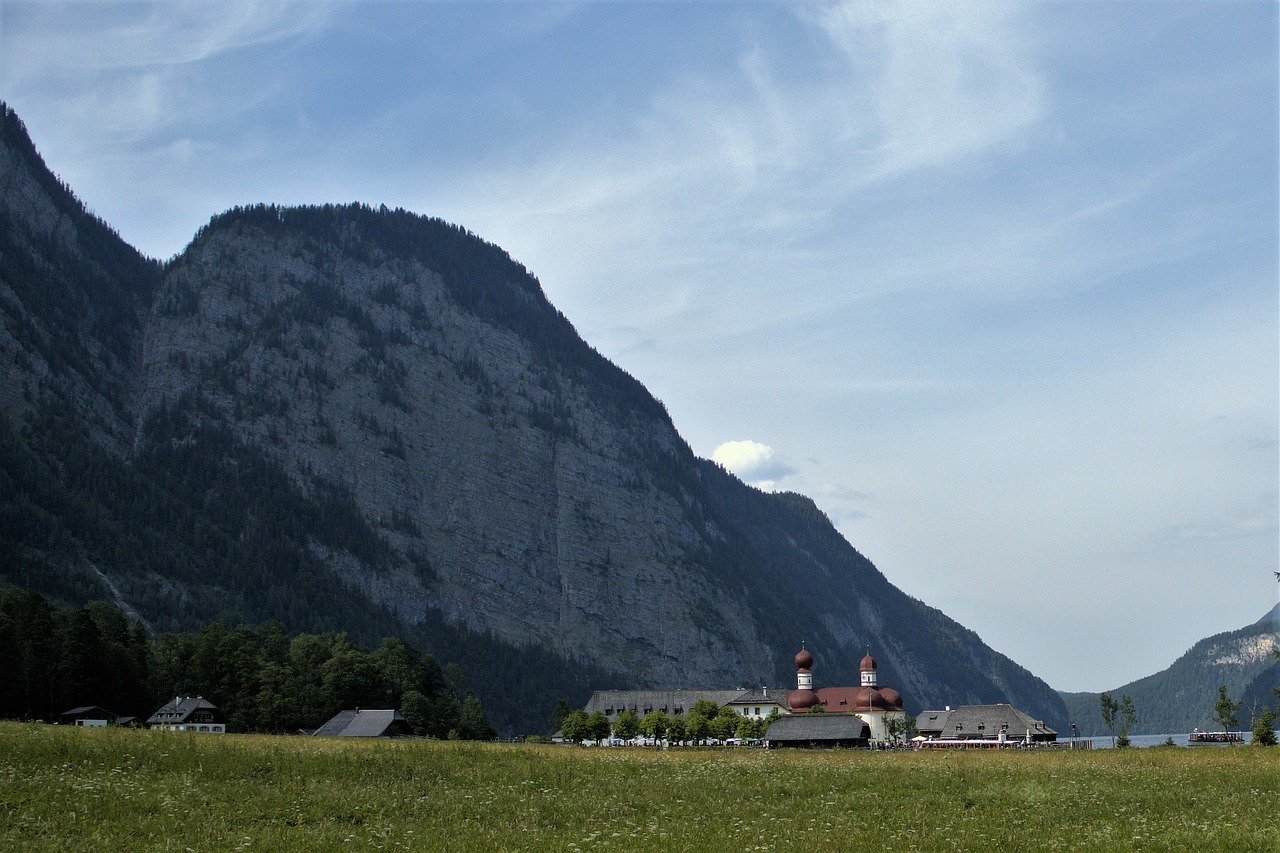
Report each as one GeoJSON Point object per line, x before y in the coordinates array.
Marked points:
{"type": "Point", "coordinates": [892, 698]}
{"type": "Point", "coordinates": [869, 698]}
{"type": "Point", "coordinates": [868, 664]}
{"type": "Point", "coordinates": [804, 660]}
{"type": "Point", "coordinates": [801, 700]}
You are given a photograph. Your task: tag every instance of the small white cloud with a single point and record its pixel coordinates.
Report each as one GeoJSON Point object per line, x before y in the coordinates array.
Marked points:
{"type": "Point", "coordinates": [754, 462]}
{"type": "Point", "coordinates": [840, 503]}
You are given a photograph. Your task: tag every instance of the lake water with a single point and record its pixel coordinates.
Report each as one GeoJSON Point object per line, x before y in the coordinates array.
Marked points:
{"type": "Point", "coordinates": [1154, 740]}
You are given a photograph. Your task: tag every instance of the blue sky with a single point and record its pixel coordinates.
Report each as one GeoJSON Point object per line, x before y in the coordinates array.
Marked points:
{"type": "Point", "coordinates": [995, 283]}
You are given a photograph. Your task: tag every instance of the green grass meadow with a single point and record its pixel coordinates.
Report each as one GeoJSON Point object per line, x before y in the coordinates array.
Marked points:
{"type": "Point", "coordinates": [69, 789]}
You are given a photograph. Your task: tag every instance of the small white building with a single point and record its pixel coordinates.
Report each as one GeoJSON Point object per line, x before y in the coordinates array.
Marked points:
{"type": "Point", "coordinates": [760, 704]}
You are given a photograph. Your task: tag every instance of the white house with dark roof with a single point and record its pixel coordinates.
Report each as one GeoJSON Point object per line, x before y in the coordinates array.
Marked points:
{"type": "Point", "coordinates": [760, 704]}
{"type": "Point", "coordinates": [189, 714]}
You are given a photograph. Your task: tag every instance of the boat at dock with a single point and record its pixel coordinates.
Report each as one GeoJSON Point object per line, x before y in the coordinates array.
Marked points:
{"type": "Point", "coordinates": [1198, 736]}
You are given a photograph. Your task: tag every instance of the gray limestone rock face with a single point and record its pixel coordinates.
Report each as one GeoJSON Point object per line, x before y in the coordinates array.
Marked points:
{"type": "Point", "coordinates": [429, 417]}
{"type": "Point", "coordinates": [506, 478]}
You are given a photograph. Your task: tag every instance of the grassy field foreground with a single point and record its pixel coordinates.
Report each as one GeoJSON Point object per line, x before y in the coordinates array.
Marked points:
{"type": "Point", "coordinates": [70, 789]}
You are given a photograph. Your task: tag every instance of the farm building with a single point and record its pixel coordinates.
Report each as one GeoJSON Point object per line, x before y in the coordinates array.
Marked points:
{"type": "Point", "coordinates": [1001, 723]}
{"type": "Point", "coordinates": [88, 716]}
{"type": "Point", "coordinates": [366, 723]}
{"type": "Point", "coordinates": [818, 730]}
{"type": "Point", "coordinates": [189, 714]}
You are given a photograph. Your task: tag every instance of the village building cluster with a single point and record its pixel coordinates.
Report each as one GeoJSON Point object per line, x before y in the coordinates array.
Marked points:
{"type": "Point", "coordinates": [197, 714]}
{"type": "Point", "coordinates": [868, 714]}
{"type": "Point", "coordinates": [864, 715]}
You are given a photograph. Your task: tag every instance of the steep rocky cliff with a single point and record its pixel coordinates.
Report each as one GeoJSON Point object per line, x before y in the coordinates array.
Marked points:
{"type": "Point", "coordinates": [356, 417]}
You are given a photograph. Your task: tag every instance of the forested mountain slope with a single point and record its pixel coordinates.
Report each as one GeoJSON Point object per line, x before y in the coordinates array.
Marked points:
{"type": "Point", "coordinates": [1182, 697]}
{"type": "Point", "coordinates": [348, 418]}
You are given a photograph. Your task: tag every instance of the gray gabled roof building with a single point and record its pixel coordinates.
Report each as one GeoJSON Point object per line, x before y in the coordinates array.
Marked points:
{"type": "Point", "coordinates": [87, 715]}
{"type": "Point", "coordinates": [983, 722]}
{"type": "Point", "coordinates": [761, 702]}
{"type": "Point", "coordinates": [673, 703]}
{"type": "Point", "coordinates": [818, 730]}
{"type": "Point", "coordinates": [189, 714]}
{"type": "Point", "coordinates": [366, 723]}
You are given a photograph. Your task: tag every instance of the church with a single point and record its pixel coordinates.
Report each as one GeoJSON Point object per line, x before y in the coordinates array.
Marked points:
{"type": "Point", "coordinates": [826, 716]}
{"type": "Point", "coordinates": [851, 716]}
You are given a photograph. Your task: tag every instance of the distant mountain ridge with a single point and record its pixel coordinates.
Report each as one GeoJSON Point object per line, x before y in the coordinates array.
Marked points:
{"type": "Point", "coordinates": [1182, 697]}
{"type": "Point", "coordinates": [348, 418]}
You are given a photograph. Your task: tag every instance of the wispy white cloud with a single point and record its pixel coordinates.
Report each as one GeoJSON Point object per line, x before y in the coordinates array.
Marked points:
{"type": "Point", "coordinates": [946, 80]}
{"type": "Point", "coordinates": [842, 503]}
{"type": "Point", "coordinates": [733, 180]}
{"type": "Point", "coordinates": [104, 37]}
{"type": "Point", "coordinates": [128, 69]}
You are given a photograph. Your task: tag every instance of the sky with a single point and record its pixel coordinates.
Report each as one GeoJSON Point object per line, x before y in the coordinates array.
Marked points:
{"type": "Point", "coordinates": [996, 284]}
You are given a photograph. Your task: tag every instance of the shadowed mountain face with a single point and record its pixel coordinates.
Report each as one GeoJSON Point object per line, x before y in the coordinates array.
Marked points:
{"type": "Point", "coordinates": [366, 420]}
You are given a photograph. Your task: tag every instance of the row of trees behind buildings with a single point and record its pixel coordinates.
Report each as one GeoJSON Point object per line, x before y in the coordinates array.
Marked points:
{"type": "Point", "coordinates": [705, 720]}
{"type": "Point", "coordinates": [264, 680]}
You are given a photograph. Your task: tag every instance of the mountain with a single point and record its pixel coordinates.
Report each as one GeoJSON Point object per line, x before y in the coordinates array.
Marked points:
{"type": "Point", "coordinates": [1182, 697]}
{"type": "Point", "coordinates": [348, 418]}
